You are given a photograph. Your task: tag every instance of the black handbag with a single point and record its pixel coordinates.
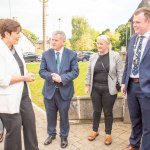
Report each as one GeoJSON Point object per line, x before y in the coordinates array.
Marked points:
{"type": "Point", "coordinates": [118, 86]}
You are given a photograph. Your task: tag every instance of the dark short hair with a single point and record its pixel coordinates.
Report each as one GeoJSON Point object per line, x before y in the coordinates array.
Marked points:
{"type": "Point", "coordinates": [144, 10]}
{"type": "Point", "coordinates": [9, 26]}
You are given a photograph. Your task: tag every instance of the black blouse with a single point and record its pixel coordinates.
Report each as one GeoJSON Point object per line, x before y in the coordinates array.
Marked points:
{"type": "Point", "coordinates": [21, 66]}
{"type": "Point", "coordinates": [100, 74]}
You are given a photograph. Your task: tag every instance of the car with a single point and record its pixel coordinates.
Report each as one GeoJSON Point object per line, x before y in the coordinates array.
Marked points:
{"type": "Point", "coordinates": [30, 57]}
{"type": "Point", "coordinates": [39, 57]}
{"type": "Point", "coordinates": [88, 52]}
{"type": "Point", "coordinates": [84, 56]}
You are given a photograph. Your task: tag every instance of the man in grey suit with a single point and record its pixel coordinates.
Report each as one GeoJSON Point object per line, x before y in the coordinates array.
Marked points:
{"type": "Point", "coordinates": [59, 68]}
{"type": "Point", "coordinates": [136, 81]}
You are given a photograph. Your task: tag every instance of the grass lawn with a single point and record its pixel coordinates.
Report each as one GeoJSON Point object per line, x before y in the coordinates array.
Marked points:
{"type": "Point", "coordinates": [37, 85]}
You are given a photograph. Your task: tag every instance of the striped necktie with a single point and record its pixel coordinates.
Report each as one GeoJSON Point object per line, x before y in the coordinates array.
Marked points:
{"type": "Point", "coordinates": [137, 57]}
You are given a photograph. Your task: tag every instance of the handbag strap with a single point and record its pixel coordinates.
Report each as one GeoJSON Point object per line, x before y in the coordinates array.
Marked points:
{"type": "Point", "coordinates": [105, 67]}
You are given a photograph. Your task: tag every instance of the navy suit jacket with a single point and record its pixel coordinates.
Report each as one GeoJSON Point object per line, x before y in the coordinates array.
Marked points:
{"type": "Point", "coordinates": [144, 68]}
{"type": "Point", "coordinates": [68, 72]}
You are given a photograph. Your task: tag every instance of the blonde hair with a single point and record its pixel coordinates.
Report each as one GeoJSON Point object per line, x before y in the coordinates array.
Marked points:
{"type": "Point", "coordinates": [106, 38]}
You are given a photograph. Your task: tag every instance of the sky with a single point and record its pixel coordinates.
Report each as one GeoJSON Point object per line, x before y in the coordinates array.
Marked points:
{"type": "Point", "coordinates": [100, 14]}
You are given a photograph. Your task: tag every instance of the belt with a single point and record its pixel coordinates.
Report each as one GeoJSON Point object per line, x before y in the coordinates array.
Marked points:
{"type": "Point", "coordinates": [135, 80]}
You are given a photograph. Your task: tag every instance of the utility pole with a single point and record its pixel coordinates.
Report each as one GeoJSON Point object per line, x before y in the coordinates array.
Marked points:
{"type": "Point", "coordinates": [44, 23]}
{"type": "Point", "coordinates": [59, 23]}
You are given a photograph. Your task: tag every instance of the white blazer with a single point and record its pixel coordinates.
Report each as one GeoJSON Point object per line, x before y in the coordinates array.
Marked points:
{"type": "Point", "coordinates": [115, 71]}
{"type": "Point", "coordinates": [10, 95]}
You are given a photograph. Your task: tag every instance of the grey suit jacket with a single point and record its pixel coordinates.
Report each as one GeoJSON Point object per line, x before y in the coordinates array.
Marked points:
{"type": "Point", "coordinates": [115, 70]}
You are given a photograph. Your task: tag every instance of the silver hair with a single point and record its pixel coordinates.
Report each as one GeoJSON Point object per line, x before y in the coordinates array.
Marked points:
{"type": "Point", "coordinates": [106, 38]}
{"type": "Point", "coordinates": [63, 35]}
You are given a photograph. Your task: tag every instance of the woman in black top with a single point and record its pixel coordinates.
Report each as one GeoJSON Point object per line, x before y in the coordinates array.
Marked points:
{"type": "Point", "coordinates": [104, 70]}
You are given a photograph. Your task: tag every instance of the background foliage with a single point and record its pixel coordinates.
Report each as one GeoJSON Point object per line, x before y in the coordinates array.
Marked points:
{"type": "Point", "coordinates": [37, 85]}
{"type": "Point", "coordinates": [84, 37]}
{"type": "Point", "coordinates": [30, 35]}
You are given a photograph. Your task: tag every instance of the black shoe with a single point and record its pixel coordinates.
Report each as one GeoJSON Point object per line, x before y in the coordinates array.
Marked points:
{"type": "Point", "coordinates": [64, 142]}
{"type": "Point", "coordinates": [49, 139]}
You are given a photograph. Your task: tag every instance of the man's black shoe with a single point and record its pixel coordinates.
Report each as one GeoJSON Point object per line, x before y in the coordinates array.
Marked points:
{"type": "Point", "coordinates": [64, 142]}
{"type": "Point", "coordinates": [49, 139]}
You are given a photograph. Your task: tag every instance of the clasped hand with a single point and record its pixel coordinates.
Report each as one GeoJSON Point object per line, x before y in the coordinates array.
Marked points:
{"type": "Point", "coordinates": [56, 77]}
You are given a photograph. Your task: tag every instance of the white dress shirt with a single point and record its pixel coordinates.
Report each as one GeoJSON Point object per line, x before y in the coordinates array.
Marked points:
{"type": "Point", "coordinates": [60, 55]}
{"type": "Point", "coordinates": [145, 40]}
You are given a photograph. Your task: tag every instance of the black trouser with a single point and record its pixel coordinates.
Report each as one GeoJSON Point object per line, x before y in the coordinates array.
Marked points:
{"type": "Point", "coordinates": [101, 99]}
{"type": "Point", "coordinates": [13, 124]}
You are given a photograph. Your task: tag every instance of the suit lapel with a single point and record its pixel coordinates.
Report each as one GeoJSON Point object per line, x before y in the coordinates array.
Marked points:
{"type": "Point", "coordinates": [63, 59]}
{"type": "Point", "coordinates": [131, 49]}
{"type": "Point", "coordinates": [146, 49]}
{"type": "Point", "coordinates": [94, 60]}
{"type": "Point", "coordinates": [111, 58]}
{"type": "Point", "coordinates": [6, 53]}
{"type": "Point", "coordinates": [52, 59]}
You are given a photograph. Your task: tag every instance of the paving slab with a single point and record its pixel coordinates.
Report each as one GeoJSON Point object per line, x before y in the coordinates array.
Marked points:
{"type": "Point", "coordinates": [78, 135]}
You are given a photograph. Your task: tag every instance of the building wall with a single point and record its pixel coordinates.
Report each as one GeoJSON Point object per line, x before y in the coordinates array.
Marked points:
{"type": "Point", "coordinates": [25, 44]}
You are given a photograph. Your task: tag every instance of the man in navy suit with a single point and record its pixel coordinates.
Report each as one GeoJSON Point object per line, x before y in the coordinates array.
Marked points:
{"type": "Point", "coordinates": [59, 68]}
{"type": "Point", "coordinates": [136, 81]}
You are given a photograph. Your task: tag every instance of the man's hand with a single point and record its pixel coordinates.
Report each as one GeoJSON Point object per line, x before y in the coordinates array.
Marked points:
{"type": "Point", "coordinates": [87, 89]}
{"type": "Point", "coordinates": [123, 91]}
{"type": "Point", "coordinates": [56, 77]}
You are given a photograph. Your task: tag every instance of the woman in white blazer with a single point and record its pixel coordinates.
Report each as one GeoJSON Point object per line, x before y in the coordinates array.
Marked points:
{"type": "Point", "coordinates": [104, 70]}
{"type": "Point", "coordinates": [15, 103]}
{"type": "Point", "coordinates": [1, 124]}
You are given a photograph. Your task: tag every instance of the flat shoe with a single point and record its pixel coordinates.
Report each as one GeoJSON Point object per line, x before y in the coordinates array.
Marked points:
{"type": "Point", "coordinates": [108, 140]}
{"type": "Point", "coordinates": [93, 135]}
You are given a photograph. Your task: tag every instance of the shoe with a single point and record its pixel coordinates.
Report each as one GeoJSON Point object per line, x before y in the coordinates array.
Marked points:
{"type": "Point", "coordinates": [49, 139]}
{"type": "Point", "coordinates": [108, 139]}
{"type": "Point", "coordinates": [64, 142]}
{"type": "Point", "coordinates": [131, 148]}
{"type": "Point", "coordinates": [93, 135]}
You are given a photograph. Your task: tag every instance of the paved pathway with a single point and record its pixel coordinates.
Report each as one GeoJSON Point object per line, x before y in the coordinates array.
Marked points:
{"type": "Point", "coordinates": [78, 135]}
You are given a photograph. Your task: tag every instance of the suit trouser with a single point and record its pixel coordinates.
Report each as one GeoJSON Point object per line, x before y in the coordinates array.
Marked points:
{"type": "Point", "coordinates": [139, 109]}
{"type": "Point", "coordinates": [52, 107]}
{"type": "Point", "coordinates": [101, 99]}
{"type": "Point", "coordinates": [13, 124]}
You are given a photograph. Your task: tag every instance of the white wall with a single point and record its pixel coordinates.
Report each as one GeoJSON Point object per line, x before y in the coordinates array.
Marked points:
{"type": "Point", "coordinates": [25, 44]}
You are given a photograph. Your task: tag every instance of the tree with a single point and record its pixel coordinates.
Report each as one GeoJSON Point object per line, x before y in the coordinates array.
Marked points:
{"type": "Point", "coordinates": [94, 35]}
{"type": "Point", "coordinates": [68, 44]}
{"type": "Point", "coordinates": [124, 31]}
{"type": "Point", "coordinates": [30, 35]}
{"type": "Point", "coordinates": [83, 37]}
{"type": "Point", "coordinates": [105, 31]}
{"type": "Point", "coordinates": [114, 38]}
